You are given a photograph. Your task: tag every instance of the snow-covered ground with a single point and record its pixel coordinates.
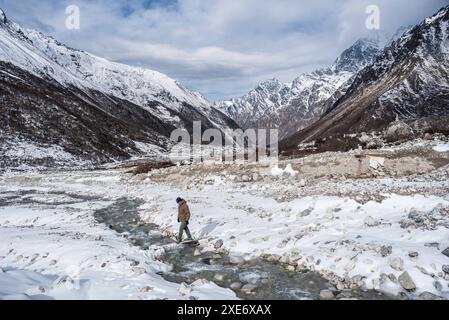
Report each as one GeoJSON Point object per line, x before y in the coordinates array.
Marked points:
{"type": "Point", "coordinates": [369, 244]}
{"type": "Point", "coordinates": [52, 248]}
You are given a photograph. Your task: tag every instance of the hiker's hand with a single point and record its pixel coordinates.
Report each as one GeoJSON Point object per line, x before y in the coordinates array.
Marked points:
{"type": "Point", "coordinates": [178, 220]}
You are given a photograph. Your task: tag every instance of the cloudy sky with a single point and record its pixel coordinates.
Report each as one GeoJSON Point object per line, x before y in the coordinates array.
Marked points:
{"type": "Point", "coordinates": [221, 48]}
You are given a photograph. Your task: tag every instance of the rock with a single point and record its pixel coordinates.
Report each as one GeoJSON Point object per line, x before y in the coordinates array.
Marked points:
{"type": "Point", "coordinates": [433, 245]}
{"type": "Point", "coordinates": [145, 289]}
{"type": "Point", "coordinates": [219, 277]}
{"type": "Point", "coordinates": [406, 281]}
{"type": "Point", "coordinates": [236, 286]}
{"type": "Point", "coordinates": [34, 291]}
{"type": "Point", "coordinates": [446, 252]}
{"type": "Point", "coordinates": [429, 296]}
{"type": "Point", "coordinates": [326, 295]}
{"type": "Point", "coordinates": [438, 285]}
{"type": "Point", "coordinates": [398, 130]}
{"type": "Point", "coordinates": [340, 285]}
{"type": "Point", "coordinates": [199, 282]}
{"type": "Point", "coordinates": [397, 264]}
{"type": "Point", "coordinates": [345, 294]}
{"type": "Point", "coordinates": [358, 280]}
{"type": "Point", "coordinates": [184, 289]}
{"type": "Point", "coordinates": [218, 244]}
{"type": "Point", "coordinates": [138, 270]}
{"type": "Point", "coordinates": [236, 260]}
{"type": "Point", "coordinates": [445, 268]}
{"type": "Point", "coordinates": [350, 266]}
{"type": "Point", "coordinates": [393, 278]}
{"type": "Point", "coordinates": [413, 254]}
{"type": "Point", "coordinates": [273, 258]}
{"type": "Point", "coordinates": [306, 212]}
{"type": "Point", "coordinates": [371, 222]}
{"type": "Point", "coordinates": [291, 268]}
{"type": "Point", "coordinates": [249, 288]}
{"type": "Point", "coordinates": [196, 253]}
{"type": "Point", "coordinates": [385, 251]}
{"type": "Point", "coordinates": [310, 259]}
{"type": "Point", "coordinates": [423, 270]}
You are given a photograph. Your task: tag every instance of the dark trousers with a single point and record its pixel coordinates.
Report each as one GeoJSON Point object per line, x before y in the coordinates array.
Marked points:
{"type": "Point", "coordinates": [183, 227]}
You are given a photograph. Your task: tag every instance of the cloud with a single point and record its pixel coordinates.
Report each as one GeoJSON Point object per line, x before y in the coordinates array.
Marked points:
{"type": "Point", "coordinates": [221, 48]}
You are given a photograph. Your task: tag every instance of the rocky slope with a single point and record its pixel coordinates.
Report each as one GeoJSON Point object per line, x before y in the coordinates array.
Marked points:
{"type": "Point", "coordinates": [55, 96]}
{"type": "Point", "coordinates": [405, 92]}
{"type": "Point", "coordinates": [291, 107]}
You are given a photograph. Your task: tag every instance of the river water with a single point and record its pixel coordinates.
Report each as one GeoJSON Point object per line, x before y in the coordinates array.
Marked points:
{"type": "Point", "coordinates": [261, 279]}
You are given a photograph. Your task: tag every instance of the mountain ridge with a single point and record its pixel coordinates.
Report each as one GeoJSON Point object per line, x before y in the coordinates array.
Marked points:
{"type": "Point", "coordinates": [407, 82]}
{"type": "Point", "coordinates": [118, 92]}
{"type": "Point", "coordinates": [292, 106]}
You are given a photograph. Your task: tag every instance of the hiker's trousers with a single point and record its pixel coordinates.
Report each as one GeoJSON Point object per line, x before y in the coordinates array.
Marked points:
{"type": "Point", "coordinates": [183, 227]}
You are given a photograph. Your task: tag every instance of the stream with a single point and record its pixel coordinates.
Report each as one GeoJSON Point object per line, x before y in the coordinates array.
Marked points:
{"type": "Point", "coordinates": [260, 279]}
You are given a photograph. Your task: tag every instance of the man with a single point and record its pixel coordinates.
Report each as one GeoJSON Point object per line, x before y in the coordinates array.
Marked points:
{"type": "Point", "coordinates": [183, 218]}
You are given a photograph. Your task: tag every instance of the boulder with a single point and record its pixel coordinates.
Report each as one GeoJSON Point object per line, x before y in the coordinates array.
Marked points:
{"type": "Point", "coordinates": [437, 285]}
{"type": "Point", "coordinates": [326, 295]}
{"type": "Point", "coordinates": [184, 289]}
{"type": "Point", "coordinates": [249, 288]}
{"type": "Point", "coordinates": [371, 222]}
{"type": "Point", "coordinates": [219, 277]}
{"type": "Point", "coordinates": [429, 296]}
{"type": "Point", "coordinates": [406, 281]}
{"type": "Point", "coordinates": [218, 244]}
{"type": "Point", "coordinates": [397, 264]}
{"type": "Point", "coordinates": [145, 289]}
{"type": "Point", "coordinates": [445, 268]}
{"type": "Point", "coordinates": [398, 130]}
{"type": "Point", "coordinates": [236, 286]}
{"type": "Point", "coordinates": [236, 260]}
{"type": "Point", "coordinates": [446, 252]}
{"type": "Point", "coordinates": [199, 282]}
{"type": "Point", "coordinates": [385, 251]}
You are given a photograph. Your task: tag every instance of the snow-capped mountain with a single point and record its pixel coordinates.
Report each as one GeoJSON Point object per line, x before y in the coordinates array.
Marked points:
{"type": "Point", "coordinates": [157, 103]}
{"type": "Point", "coordinates": [408, 81]}
{"type": "Point", "coordinates": [291, 107]}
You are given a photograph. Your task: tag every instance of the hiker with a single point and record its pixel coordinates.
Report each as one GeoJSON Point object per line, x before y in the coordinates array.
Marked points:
{"type": "Point", "coordinates": [183, 218]}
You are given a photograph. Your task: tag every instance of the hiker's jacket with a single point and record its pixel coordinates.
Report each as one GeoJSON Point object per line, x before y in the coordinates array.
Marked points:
{"type": "Point", "coordinates": [183, 211]}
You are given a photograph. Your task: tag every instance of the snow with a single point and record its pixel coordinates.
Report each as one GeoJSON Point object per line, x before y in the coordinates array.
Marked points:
{"type": "Point", "coordinates": [331, 230]}
{"type": "Point", "coordinates": [441, 148]}
{"type": "Point", "coordinates": [270, 100]}
{"type": "Point", "coordinates": [55, 250]}
{"type": "Point", "coordinates": [43, 56]}
{"type": "Point", "coordinates": [276, 171]}
{"type": "Point", "coordinates": [32, 155]}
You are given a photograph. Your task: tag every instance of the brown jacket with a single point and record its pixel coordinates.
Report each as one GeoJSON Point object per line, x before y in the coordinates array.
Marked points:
{"type": "Point", "coordinates": [183, 211]}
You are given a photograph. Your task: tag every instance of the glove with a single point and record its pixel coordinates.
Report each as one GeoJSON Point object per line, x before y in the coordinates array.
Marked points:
{"type": "Point", "coordinates": [178, 220]}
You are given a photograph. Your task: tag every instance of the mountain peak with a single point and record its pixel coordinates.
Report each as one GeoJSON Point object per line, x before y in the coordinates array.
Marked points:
{"type": "Point", "coordinates": [361, 53]}
{"type": "Point", "coordinates": [443, 12]}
